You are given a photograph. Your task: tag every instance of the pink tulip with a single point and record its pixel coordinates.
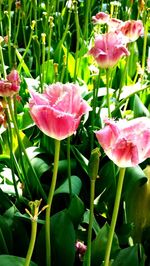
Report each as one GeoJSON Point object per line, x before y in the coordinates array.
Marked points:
{"type": "Point", "coordinates": [57, 112]}
{"type": "Point", "coordinates": [132, 30]}
{"type": "Point", "coordinates": [126, 143]}
{"type": "Point", "coordinates": [108, 49]}
{"type": "Point", "coordinates": [11, 85]}
{"type": "Point", "coordinates": [100, 18]}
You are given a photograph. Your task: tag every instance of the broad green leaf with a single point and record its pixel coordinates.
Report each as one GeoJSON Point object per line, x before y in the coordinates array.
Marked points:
{"type": "Point", "coordinates": [71, 62]}
{"type": "Point", "coordinates": [10, 260]}
{"type": "Point", "coordinates": [5, 202]}
{"type": "Point", "coordinates": [139, 108]}
{"type": "Point", "coordinates": [76, 210]}
{"type": "Point", "coordinates": [96, 227]}
{"type": "Point", "coordinates": [48, 70]}
{"type": "Point", "coordinates": [24, 120]}
{"type": "Point", "coordinates": [99, 246]}
{"type": "Point", "coordinates": [134, 176]}
{"type": "Point", "coordinates": [5, 237]}
{"type": "Point", "coordinates": [63, 239]}
{"type": "Point", "coordinates": [80, 158]}
{"type": "Point", "coordinates": [131, 256]}
{"type": "Point", "coordinates": [76, 186]}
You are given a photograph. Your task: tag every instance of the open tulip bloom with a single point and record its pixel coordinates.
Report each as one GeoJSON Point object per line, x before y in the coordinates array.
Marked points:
{"type": "Point", "coordinates": [108, 49]}
{"type": "Point", "coordinates": [57, 112]}
{"type": "Point", "coordinates": [126, 143]}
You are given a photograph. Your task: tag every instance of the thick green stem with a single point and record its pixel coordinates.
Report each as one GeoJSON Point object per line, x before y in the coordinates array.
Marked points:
{"type": "Point", "coordinates": [49, 203]}
{"type": "Point", "coordinates": [92, 194]}
{"type": "Point", "coordinates": [144, 45]}
{"type": "Point", "coordinates": [10, 142]}
{"type": "Point", "coordinates": [58, 48]}
{"type": "Point", "coordinates": [108, 95]}
{"type": "Point", "coordinates": [2, 62]}
{"type": "Point", "coordinates": [114, 217]}
{"type": "Point", "coordinates": [69, 167]}
{"type": "Point", "coordinates": [87, 15]}
{"type": "Point", "coordinates": [32, 242]}
{"type": "Point", "coordinates": [77, 42]}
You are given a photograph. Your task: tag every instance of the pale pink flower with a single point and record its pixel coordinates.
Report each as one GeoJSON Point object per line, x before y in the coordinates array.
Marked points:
{"type": "Point", "coordinates": [14, 78]}
{"type": "Point", "coordinates": [114, 24]}
{"type": "Point", "coordinates": [108, 49]}
{"type": "Point", "coordinates": [100, 18]}
{"type": "Point", "coordinates": [58, 111]}
{"type": "Point", "coordinates": [126, 143]}
{"type": "Point", "coordinates": [132, 30]}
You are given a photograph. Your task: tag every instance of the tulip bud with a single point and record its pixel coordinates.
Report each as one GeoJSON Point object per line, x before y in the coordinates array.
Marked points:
{"type": "Point", "coordinates": [93, 165]}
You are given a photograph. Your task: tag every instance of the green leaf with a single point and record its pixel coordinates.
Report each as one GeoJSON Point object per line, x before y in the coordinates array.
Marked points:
{"type": "Point", "coordinates": [49, 74]}
{"type": "Point", "coordinates": [96, 227]}
{"type": "Point", "coordinates": [5, 237]}
{"type": "Point", "coordinates": [80, 158]}
{"type": "Point", "coordinates": [70, 63]}
{"type": "Point", "coordinates": [131, 256]}
{"type": "Point", "coordinates": [139, 108]}
{"type": "Point", "coordinates": [76, 210]}
{"type": "Point", "coordinates": [13, 260]}
{"type": "Point", "coordinates": [134, 176]}
{"type": "Point", "coordinates": [23, 64]}
{"type": "Point", "coordinates": [24, 120]}
{"type": "Point", "coordinates": [76, 186]}
{"type": "Point", "coordinates": [99, 246]}
{"type": "Point", "coordinates": [63, 239]}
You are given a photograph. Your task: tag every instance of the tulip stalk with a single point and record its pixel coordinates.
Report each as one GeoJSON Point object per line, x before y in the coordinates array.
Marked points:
{"type": "Point", "coordinates": [108, 95]}
{"type": "Point", "coordinates": [92, 194]}
{"type": "Point", "coordinates": [114, 216]}
{"type": "Point", "coordinates": [93, 167]}
{"type": "Point", "coordinates": [49, 203]}
{"type": "Point", "coordinates": [69, 167]}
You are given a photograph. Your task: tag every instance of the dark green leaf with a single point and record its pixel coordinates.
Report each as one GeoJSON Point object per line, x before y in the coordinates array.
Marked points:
{"type": "Point", "coordinates": [76, 186]}
{"type": "Point", "coordinates": [76, 210]}
{"type": "Point", "coordinates": [130, 256]}
{"type": "Point", "coordinates": [13, 260]}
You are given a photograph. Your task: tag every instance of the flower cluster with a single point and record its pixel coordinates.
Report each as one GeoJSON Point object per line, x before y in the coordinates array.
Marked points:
{"type": "Point", "coordinates": [111, 46]}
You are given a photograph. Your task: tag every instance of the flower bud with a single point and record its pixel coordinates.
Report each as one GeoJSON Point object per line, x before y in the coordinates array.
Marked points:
{"type": "Point", "coordinates": [93, 165]}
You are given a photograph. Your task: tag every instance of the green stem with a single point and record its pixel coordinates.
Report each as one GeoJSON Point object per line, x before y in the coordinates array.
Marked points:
{"type": "Point", "coordinates": [69, 167]}
{"type": "Point", "coordinates": [32, 241]}
{"type": "Point", "coordinates": [58, 48]}
{"type": "Point", "coordinates": [49, 203]}
{"type": "Point", "coordinates": [43, 61]}
{"type": "Point", "coordinates": [87, 15]}
{"type": "Point", "coordinates": [108, 95]}
{"type": "Point", "coordinates": [25, 52]}
{"type": "Point", "coordinates": [2, 62]}
{"type": "Point", "coordinates": [92, 194]}
{"type": "Point", "coordinates": [114, 216]}
{"type": "Point", "coordinates": [77, 42]}
{"type": "Point", "coordinates": [144, 45]}
{"type": "Point", "coordinates": [10, 142]}
{"type": "Point", "coordinates": [9, 31]}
